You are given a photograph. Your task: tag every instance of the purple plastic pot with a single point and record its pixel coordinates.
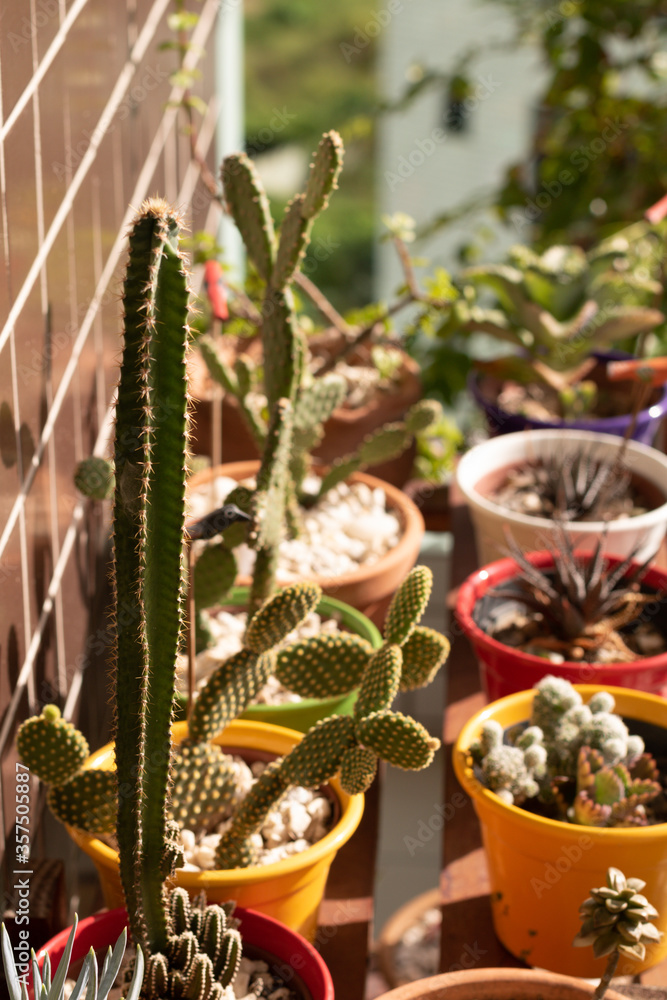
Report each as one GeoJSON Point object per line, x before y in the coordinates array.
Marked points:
{"type": "Point", "coordinates": [502, 422]}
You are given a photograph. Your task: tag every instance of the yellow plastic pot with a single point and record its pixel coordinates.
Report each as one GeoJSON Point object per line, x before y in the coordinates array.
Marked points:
{"type": "Point", "coordinates": [290, 890]}
{"type": "Point", "coordinates": [542, 869]}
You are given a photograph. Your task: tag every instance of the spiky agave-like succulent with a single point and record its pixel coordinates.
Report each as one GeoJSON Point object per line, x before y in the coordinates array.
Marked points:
{"type": "Point", "coordinates": [583, 600]}
{"type": "Point", "coordinates": [49, 985]}
{"type": "Point", "coordinates": [576, 485]}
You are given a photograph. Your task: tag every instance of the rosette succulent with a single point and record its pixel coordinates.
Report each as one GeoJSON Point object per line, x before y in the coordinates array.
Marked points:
{"type": "Point", "coordinates": [616, 920]}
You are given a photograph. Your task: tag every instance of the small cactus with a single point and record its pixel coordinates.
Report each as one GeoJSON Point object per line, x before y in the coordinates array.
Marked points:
{"type": "Point", "coordinates": [579, 759]}
{"type": "Point", "coordinates": [95, 478]}
{"type": "Point", "coordinates": [202, 955]}
{"type": "Point", "coordinates": [616, 920]}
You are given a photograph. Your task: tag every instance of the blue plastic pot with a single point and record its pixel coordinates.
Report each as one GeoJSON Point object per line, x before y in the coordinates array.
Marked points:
{"type": "Point", "coordinates": [502, 422]}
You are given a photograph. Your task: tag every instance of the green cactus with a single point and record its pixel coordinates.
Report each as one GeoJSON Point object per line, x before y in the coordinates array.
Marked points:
{"type": "Point", "coordinates": [201, 956]}
{"type": "Point", "coordinates": [580, 760]}
{"type": "Point", "coordinates": [52, 748]}
{"type": "Point", "coordinates": [323, 666]}
{"type": "Point", "coordinates": [231, 688]}
{"type": "Point", "coordinates": [95, 478]}
{"type": "Point", "coordinates": [342, 743]}
{"type": "Point", "coordinates": [287, 381]}
{"type": "Point", "coordinates": [87, 801]}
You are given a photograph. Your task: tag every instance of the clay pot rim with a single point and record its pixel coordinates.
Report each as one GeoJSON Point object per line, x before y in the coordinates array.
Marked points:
{"type": "Point", "coordinates": [506, 570]}
{"type": "Point", "coordinates": [467, 480]}
{"type": "Point", "coordinates": [497, 984]}
{"type": "Point", "coordinates": [408, 513]}
{"type": "Point", "coordinates": [395, 926]}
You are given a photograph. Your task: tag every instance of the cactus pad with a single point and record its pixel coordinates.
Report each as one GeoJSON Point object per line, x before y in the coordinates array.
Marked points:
{"type": "Point", "coordinates": [292, 243]}
{"type": "Point", "coordinates": [424, 652]}
{"type": "Point", "coordinates": [384, 444]}
{"type": "Point", "coordinates": [397, 739]}
{"type": "Point", "coordinates": [357, 769]}
{"type": "Point", "coordinates": [228, 692]}
{"type": "Point", "coordinates": [323, 666]}
{"type": "Point", "coordinates": [95, 478]}
{"type": "Point", "coordinates": [204, 783]}
{"type": "Point", "coordinates": [323, 173]}
{"type": "Point", "coordinates": [88, 801]}
{"type": "Point", "coordinates": [317, 757]}
{"type": "Point", "coordinates": [280, 615]}
{"type": "Point", "coordinates": [248, 205]}
{"type": "Point", "coordinates": [318, 401]}
{"type": "Point", "coordinates": [408, 605]}
{"type": "Point", "coordinates": [420, 416]}
{"type": "Point", "coordinates": [380, 682]}
{"type": "Point", "coordinates": [234, 849]}
{"type": "Point", "coordinates": [52, 748]}
{"type": "Point", "coordinates": [214, 575]}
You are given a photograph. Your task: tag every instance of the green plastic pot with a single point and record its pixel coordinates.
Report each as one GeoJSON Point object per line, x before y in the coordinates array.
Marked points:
{"type": "Point", "coordinates": [301, 715]}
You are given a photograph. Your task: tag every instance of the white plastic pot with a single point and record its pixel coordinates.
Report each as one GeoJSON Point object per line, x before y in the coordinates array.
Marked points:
{"type": "Point", "coordinates": [481, 470]}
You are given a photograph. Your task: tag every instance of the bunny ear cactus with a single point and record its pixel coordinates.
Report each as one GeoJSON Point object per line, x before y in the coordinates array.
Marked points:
{"type": "Point", "coordinates": [351, 745]}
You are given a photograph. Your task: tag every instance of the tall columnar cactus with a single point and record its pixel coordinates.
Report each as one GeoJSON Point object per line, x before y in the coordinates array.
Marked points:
{"type": "Point", "coordinates": [150, 452]}
{"type": "Point", "coordinates": [351, 745]}
{"type": "Point", "coordinates": [288, 384]}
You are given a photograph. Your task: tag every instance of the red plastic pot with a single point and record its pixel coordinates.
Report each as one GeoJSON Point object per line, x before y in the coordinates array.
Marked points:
{"type": "Point", "coordinates": [504, 670]}
{"type": "Point", "coordinates": [296, 959]}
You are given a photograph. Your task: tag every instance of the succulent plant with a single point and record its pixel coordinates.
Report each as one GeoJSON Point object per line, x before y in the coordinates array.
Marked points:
{"type": "Point", "coordinates": [578, 758]}
{"type": "Point", "coordinates": [616, 920]}
{"type": "Point", "coordinates": [576, 485]}
{"type": "Point", "coordinates": [613, 794]}
{"type": "Point", "coordinates": [583, 601]}
{"type": "Point", "coordinates": [52, 987]}
{"type": "Point", "coordinates": [557, 308]}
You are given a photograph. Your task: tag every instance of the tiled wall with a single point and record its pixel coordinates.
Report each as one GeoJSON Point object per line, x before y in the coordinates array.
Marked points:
{"type": "Point", "coordinates": [88, 127]}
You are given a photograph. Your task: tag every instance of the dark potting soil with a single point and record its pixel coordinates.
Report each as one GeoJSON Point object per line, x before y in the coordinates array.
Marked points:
{"type": "Point", "coordinates": [510, 622]}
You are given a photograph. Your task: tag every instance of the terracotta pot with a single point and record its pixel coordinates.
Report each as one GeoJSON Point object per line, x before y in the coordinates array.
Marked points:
{"type": "Point", "coordinates": [505, 670]}
{"type": "Point", "coordinates": [343, 432]}
{"type": "Point", "coordinates": [370, 588]}
{"type": "Point", "coordinates": [541, 870]}
{"type": "Point", "coordinates": [297, 960]}
{"type": "Point", "coordinates": [497, 984]}
{"type": "Point", "coordinates": [289, 890]}
{"type": "Point", "coordinates": [398, 923]}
